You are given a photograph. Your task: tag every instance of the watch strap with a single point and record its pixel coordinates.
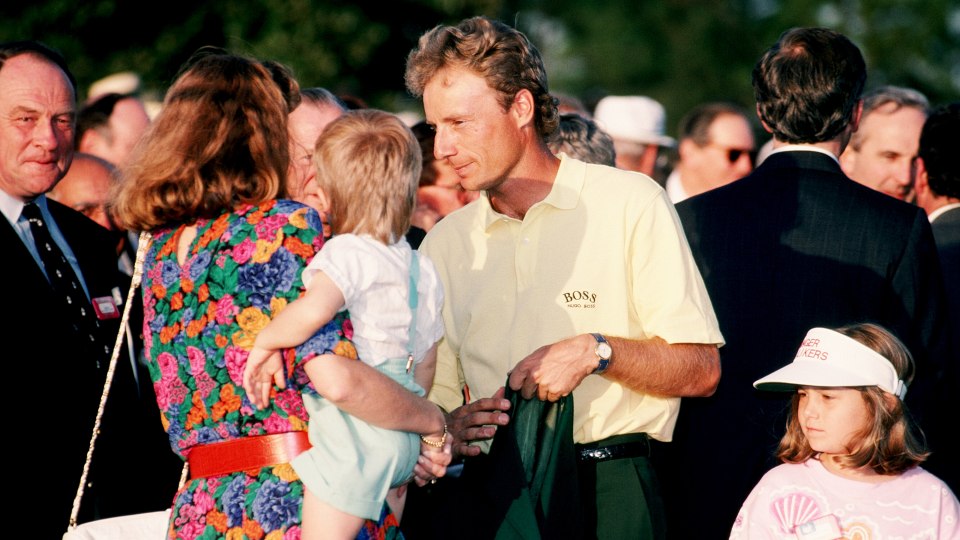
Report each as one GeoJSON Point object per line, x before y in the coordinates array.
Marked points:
{"type": "Point", "coordinates": [604, 363]}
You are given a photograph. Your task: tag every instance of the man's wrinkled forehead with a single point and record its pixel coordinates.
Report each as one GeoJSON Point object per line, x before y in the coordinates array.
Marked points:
{"type": "Point", "coordinates": [39, 58]}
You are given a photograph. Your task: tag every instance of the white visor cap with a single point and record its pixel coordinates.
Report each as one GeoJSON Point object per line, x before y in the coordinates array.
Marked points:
{"type": "Point", "coordinates": [830, 359]}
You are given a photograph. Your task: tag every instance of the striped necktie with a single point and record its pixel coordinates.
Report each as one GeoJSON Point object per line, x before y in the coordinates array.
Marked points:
{"type": "Point", "coordinates": [65, 284]}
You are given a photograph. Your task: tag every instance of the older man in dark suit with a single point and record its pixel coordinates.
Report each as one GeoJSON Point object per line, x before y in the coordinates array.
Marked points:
{"type": "Point", "coordinates": [795, 244]}
{"type": "Point", "coordinates": [61, 291]}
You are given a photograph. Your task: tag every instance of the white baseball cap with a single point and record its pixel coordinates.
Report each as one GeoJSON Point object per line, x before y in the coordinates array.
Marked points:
{"type": "Point", "coordinates": [830, 359]}
{"type": "Point", "coordinates": [637, 119]}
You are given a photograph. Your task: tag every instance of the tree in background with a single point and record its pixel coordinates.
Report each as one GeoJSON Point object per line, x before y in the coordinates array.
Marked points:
{"type": "Point", "coordinates": [352, 47]}
{"type": "Point", "coordinates": [681, 52]}
{"type": "Point", "coordinates": [685, 52]}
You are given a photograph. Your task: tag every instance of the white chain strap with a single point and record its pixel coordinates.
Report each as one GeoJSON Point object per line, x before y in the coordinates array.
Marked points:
{"type": "Point", "coordinates": [144, 242]}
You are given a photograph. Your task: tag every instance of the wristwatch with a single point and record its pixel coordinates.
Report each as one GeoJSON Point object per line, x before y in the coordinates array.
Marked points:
{"type": "Point", "coordinates": [604, 352]}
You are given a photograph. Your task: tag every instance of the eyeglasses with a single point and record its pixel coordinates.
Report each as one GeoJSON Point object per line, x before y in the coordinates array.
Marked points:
{"type": "Point", "coordinates": [733, 154]}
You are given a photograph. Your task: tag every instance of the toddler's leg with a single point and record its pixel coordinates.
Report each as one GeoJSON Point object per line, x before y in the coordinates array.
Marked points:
{"type": "Point", "coordinates": [322, 521]}
{"type": "Point", "coordinates": [397, 499]}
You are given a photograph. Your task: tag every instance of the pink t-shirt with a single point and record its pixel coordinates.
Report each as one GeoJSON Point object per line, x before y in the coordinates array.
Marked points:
{"type": "Point", "coordinates": [796, 500]}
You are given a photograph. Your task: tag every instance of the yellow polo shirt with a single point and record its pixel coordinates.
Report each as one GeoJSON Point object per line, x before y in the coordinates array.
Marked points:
{"type": "Point", "coordinates": [603, 252]}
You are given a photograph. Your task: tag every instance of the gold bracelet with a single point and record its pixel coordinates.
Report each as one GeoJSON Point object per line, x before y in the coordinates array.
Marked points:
{"type": "Point", "coordinates": [436, 444]}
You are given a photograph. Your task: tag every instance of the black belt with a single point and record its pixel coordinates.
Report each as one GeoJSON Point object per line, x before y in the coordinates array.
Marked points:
{"type": "Point", "coordinates": [616, 447]}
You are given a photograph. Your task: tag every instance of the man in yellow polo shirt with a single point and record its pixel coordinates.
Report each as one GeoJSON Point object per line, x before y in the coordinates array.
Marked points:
{"type": "Point", "coordinates": [569, 277]}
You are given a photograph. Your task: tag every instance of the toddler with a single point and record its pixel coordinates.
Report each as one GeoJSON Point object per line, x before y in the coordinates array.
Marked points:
{"type": "Point", "coordinates": [368, 167]}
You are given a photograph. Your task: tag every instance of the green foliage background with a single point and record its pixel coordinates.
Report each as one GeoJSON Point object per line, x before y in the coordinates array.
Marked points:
{"type": "Point", "coordinates": [681, 52]}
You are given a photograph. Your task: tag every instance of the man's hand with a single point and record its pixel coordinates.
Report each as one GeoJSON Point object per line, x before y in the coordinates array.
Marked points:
{"type": "Point", "coordinates": [264, 368]}
{"type": "Point", "coordinates": [553, 371]}
{"type": "Point", "coordinates": [476, 421]}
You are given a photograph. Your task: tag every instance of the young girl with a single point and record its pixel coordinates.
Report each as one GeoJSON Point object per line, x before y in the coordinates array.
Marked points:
{"type": "Point", "coordinates": [368, 168]}
{"type": "Point", "coordinates": [850, 454]}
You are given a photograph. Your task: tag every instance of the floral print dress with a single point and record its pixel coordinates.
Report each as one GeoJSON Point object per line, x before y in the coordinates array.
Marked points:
{"type": "Point", "coordinates": [200, 321]}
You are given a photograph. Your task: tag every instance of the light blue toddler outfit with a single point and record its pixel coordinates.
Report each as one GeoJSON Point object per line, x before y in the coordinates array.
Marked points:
{"type": "Point", "coordinates": [353, 464]}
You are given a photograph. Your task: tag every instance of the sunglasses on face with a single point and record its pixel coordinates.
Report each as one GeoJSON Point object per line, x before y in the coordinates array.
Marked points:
{"type": "Point", "coordinates": [733, 154]}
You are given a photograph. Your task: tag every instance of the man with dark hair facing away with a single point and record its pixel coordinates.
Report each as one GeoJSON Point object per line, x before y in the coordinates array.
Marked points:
{"type": "Point", "coordinates": [794, 245]}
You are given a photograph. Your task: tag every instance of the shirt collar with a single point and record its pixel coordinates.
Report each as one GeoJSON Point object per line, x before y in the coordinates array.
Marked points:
{"type": "Point", "coordinates": [674, 188]}
{"type": "Point", "coordinates": [804, 148]}
{"type": "Point", "coordinates": [564, 194]}
{"type": "Point", "coordinates": [942, 210]}
{"type": "Point", "coordinates": [11, 207]}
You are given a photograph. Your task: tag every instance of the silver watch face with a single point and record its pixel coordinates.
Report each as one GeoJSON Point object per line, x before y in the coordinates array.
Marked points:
{"type": "Point", "coordinates": [604, 351]}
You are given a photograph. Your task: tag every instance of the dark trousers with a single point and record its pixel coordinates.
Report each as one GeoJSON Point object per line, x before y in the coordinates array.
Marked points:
{"type": "Point", "coordinates": [621, 500]}
{"type": "Point", "coordinates": [618, 499]}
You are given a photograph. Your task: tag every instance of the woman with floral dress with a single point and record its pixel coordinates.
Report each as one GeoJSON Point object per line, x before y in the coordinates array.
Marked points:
{"type": "Point", "coordinates": [226, 257]}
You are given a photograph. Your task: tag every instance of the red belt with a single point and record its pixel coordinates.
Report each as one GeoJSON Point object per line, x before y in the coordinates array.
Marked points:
{"type": "Point", "coordinates": [246, 453]}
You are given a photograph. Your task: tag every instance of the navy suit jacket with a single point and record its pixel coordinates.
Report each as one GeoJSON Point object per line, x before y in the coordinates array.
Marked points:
{"type": "Point", "coordinates": [794, 245]}
{"type": "Point", "coordinates": [946, 233]}
{"type": "Point", "coordinates": [54, 388]}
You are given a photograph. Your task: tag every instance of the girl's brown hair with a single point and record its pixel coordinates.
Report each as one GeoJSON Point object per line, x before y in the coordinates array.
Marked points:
{"type": "Point", "coordinates": [891, 444]}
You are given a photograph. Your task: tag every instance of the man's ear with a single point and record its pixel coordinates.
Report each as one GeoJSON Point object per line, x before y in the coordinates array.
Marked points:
{"type": "Point", "coordinates": [91, 142]}
{"type": "Point", "coordinates": [523, 108]}
{"type": "Point", "coordinates": [921, 179]}
{"type": "Point", "coordinates": [857, 116]}
{"type": "Point", "coordinates": [762, 123]}
{"type": "Point", "coordinates": [685, 149]}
